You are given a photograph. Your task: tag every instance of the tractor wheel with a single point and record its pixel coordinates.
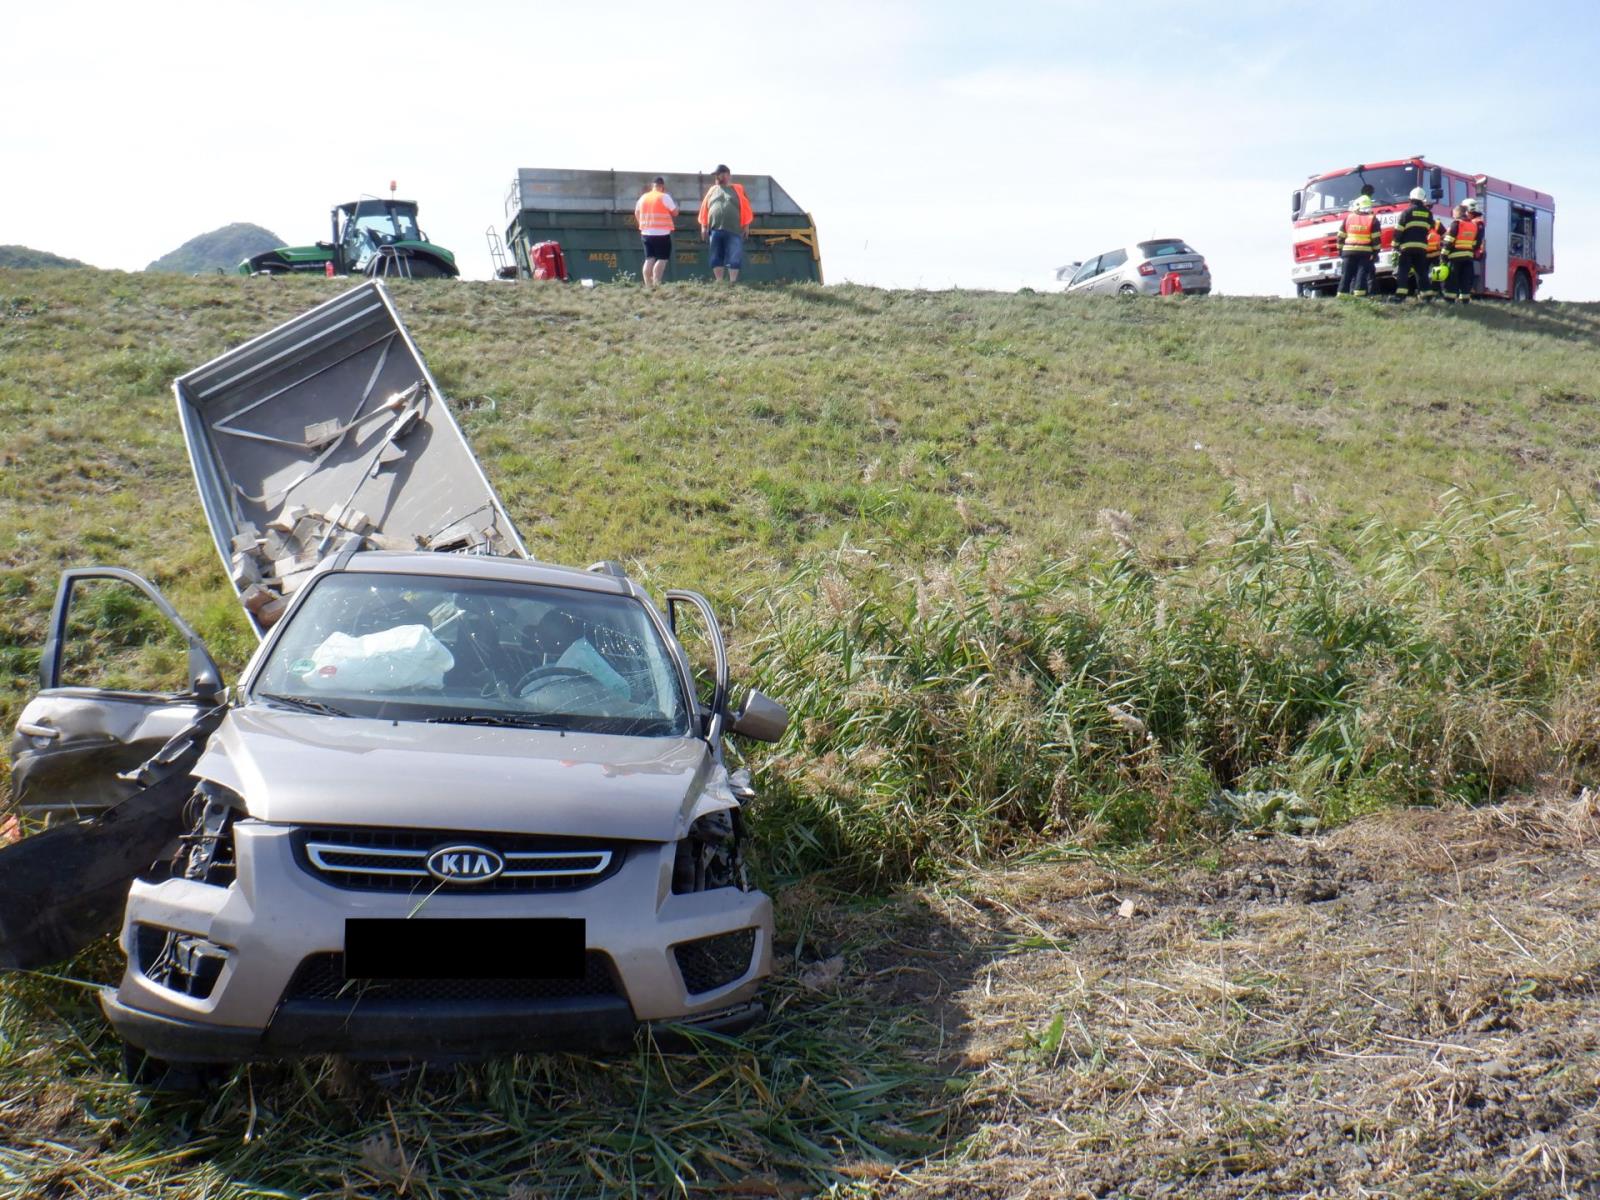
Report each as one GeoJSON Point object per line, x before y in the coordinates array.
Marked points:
{"type": "Point", "coordinates": [1522, 289]}
{"type": "Point", "coordinates": [408, 267]}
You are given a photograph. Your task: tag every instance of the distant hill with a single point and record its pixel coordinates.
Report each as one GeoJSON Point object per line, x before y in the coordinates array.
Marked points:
{"type": "Point", "coordinates": [23, 256]}
{"type": "Point", "coordinates": [223, 249]}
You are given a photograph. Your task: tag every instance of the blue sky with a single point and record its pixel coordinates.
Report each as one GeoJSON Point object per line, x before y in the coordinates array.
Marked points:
{"type": "Point", "coordinates": [935, 144]}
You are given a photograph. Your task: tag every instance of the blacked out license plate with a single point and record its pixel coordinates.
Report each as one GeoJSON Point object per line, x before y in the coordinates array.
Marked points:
{"type": "Point", "coordinates": [464, 948]}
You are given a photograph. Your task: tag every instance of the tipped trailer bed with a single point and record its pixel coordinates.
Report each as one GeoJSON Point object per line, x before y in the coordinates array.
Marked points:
{"type": "Point", "coordinates": [326, 432]}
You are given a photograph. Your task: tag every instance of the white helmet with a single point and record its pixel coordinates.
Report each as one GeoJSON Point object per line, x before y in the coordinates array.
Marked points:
{"type": "Point", "coordinates": [1418, 194]}
{"type": "Point", "coordinates": [1471, 204]}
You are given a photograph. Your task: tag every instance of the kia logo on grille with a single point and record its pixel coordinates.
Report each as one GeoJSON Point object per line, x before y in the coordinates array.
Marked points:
{"type": "Point", "coordinates": [465, 864]}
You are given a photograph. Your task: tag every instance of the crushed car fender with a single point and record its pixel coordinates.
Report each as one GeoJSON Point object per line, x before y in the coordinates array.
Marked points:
{"type": "Point", "coordinates": [61, 889]}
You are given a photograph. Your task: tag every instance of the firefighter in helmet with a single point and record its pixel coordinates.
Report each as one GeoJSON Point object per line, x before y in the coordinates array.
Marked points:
{"type": "Point", "coordinates": [1357, 240]}
{"type": "Point", "coordinates": [1463, 247]}
{"type": "Point", "coordinates": [1411, 234]}
{"type": "Point", "coordinates": [1438, 271]}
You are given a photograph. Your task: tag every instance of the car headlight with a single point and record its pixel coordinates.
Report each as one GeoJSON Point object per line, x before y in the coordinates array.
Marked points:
{"type": "Point", "coordinates": [205, 848]}
{"type": "Point", "coordinates": [712, 855]}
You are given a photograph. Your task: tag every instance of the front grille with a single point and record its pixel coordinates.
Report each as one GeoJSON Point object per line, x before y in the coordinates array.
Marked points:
{"type": "Point", "coordinates": [709, 963]}
{"type": "Point", "coordinates": [321, 977]}
{"type": "Point", "coordinates": [394, 860]}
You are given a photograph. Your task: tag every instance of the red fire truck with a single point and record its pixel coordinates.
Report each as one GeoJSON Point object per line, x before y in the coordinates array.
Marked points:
{"type": "Point", "coordinates": [1518, 234]}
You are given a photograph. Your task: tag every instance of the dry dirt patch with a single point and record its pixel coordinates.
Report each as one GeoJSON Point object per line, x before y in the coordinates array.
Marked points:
{"type": "Point", "coordinates": [1407, 1007]}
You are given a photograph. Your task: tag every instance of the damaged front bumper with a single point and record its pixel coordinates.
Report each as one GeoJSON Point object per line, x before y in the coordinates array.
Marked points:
{"type": "Point", "coordinates": [422, 1032]}
{"type": "Point", "coordinates": [263, 965]}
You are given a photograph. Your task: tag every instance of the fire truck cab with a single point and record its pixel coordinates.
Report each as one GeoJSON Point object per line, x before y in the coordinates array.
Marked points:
{"type": "Point", "coordinates": [1518, 231]}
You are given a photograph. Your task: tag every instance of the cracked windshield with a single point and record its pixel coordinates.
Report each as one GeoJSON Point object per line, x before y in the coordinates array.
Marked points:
{"type": "Point", "coordinates": [419, 648]}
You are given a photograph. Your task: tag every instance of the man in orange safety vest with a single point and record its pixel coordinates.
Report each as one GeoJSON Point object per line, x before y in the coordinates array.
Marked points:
{"type": "Point", "coordinates": [656, 213]}
{"type": "Point", "coordinates": [1358, 240]}
{"type": "Point", "coordinates": [1463, 247]}
{"type": "Point", "coordinates": [725, 218]}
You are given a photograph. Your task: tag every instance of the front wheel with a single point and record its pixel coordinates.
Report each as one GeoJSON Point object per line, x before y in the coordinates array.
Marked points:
{"type": "Point", "coordinates": [150, 1074]}
{"type": "Point", "coordinates": [1522, 289]}
{"type": "Point", "coordinates": [390, 264]}
{"type": "Point", "coordinates": [425, 268]}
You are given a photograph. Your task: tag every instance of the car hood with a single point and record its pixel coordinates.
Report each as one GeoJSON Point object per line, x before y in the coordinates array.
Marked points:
{"type": "Point", "coordinates": [302, 768]}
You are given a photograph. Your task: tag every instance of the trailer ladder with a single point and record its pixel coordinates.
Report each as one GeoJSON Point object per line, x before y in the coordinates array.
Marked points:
{"type": "Point", "coordinates": [497, 253]}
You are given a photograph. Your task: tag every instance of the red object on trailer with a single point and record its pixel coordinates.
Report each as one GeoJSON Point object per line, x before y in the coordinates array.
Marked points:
{"type": "Point", "coordinates": [547, 260]}
{"type": "Point", "coordinates": [1518, 224]}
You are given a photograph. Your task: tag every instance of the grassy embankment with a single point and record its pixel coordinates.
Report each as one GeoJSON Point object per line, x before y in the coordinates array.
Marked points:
{"type": "Point", "coordinates": [1032, 573]}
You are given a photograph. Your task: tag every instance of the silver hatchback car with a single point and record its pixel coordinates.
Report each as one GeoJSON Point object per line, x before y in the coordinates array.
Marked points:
{"type": "Point", "coordinates": [1139, 269]}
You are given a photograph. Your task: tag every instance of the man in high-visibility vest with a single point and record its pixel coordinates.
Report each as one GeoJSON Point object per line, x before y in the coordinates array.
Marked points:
{"type": "Point", "coordinates": [1358, 240]}
{"type": "Point", "coordinates": [725, 217]}
{"type": "Point", "coordinates": [656, 212]}
{"type": "Point", "coordinates": [1411, 234]}
{"type": "Point", "coordinates": [1463, 247]}
{"type": "Point", "coordinates": [1436, 265]}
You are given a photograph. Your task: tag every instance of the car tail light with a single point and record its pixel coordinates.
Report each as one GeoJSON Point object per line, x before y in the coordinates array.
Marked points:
{"type": "Point", "coordinates": [1147, 268]}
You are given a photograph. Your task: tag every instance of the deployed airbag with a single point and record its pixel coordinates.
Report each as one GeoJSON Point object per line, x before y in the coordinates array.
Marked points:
{"type": "Point", "coordinates": [392, 660]}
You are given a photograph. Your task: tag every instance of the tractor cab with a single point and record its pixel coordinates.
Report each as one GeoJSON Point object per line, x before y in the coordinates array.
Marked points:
{"type": "Point", "coordinates": [370, 236]}
{"type": "Point", "coordinates": [361, 229]}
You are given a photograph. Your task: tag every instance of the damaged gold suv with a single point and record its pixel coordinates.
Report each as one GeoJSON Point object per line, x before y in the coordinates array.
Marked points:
{"type": "Point", "coordinates": [460, 802]}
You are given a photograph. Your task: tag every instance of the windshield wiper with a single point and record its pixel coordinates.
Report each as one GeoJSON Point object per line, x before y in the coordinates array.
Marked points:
{"type": "Point", "coordinates": [304, 703]}
{"type": "Point", "coordinates": [508, 720]}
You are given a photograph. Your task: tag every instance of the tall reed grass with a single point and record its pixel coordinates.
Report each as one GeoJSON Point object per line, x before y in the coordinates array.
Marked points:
{"type": "Point", "coordinates": [958, 712]}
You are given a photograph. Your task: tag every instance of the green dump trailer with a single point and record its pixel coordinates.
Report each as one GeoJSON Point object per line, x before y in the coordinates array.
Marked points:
{"type": "Point", "coordinates": [591, 214]}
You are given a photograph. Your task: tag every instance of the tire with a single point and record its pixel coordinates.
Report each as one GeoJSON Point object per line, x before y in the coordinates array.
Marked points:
{"type": "Point", "coordinates": [410, 267]}
{"type": "Point", "coordinates": [1522, 289]}
{"type": "Point", "coordinates": [1127, 289]}
{"type": "Point", "coordinates": [426, 268]}
{"type": "Point", "coordinates": [150, 1074]}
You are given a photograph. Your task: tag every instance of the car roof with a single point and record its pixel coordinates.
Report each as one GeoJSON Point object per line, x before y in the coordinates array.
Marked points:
{"type": "Point", "coordinates": [1132, 248]}
{"type": "Point", "coordinates": [486, 566]}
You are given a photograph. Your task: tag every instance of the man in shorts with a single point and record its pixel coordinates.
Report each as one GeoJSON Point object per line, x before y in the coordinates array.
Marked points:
{"type": "Point", "coordinates": [655, 212]}
{"type": "Point", "coordinates": [725, 219]}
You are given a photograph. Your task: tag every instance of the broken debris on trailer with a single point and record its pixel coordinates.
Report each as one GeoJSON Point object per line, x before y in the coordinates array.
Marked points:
{"type": "Point", "coordinates": [327, 432]}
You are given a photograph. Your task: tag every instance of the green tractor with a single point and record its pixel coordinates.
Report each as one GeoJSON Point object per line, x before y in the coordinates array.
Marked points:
{"type": "Point", "coordinates": [371, 236]}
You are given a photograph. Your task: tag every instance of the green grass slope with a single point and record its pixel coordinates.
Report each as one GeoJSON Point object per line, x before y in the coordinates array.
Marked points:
{"type": "Point", "coordinates": [720, 438]}
{"type": "Point", "coordinates": [220, 250]}
{"type": "Point", "coordinates": [1035, 574]}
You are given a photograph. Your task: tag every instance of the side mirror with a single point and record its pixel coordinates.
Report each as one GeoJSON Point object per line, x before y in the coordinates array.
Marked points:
{"type": "Point", "coordinates": [761, 718]}
{"type": "Point", "coordinates": [1436, 183]}
{"type": "Point", "coordinates": [205, 680]}
{"type": "Point", "coordinates": [1297, 202]}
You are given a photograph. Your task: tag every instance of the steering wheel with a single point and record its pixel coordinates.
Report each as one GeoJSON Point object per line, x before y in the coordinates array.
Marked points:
{"type": "Point", "coordinates": [544, 676]}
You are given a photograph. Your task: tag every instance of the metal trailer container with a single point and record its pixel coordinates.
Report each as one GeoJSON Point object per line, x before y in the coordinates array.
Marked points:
{"type": "Point", "coordinates": [325, 432]}
{"type": "Point", "coordinates": [591, 214]}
